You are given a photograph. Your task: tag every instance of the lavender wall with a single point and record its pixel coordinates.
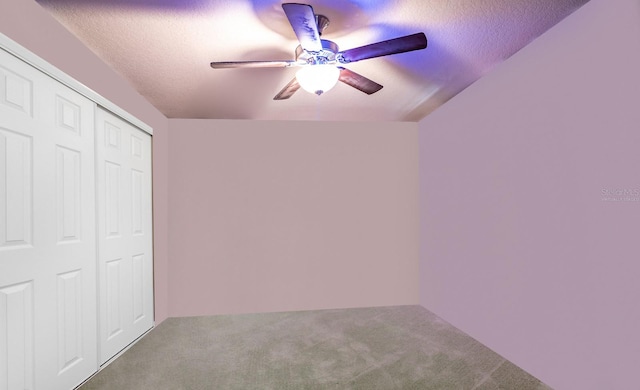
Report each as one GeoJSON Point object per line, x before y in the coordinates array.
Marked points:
{"type": "Point", "coordinates": [285, 215]}
{"type": "Point", "coordinates": [25, 22]}
{"type": "Point", "coordinates": [519, 248]}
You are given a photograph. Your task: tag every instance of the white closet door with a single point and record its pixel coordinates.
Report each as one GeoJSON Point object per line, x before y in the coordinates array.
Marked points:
{"type": "Point", "coordinates": [124, 233]}
{"type": "Point", "coordinates": [48, 337]}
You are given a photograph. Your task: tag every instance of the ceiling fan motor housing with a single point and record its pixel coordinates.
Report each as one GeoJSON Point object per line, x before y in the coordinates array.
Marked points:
{"type": "Point", "coordinates": [325, 56]}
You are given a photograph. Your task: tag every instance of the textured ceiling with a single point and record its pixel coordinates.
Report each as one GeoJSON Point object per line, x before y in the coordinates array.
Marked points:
{"type": "Point", "coordinates": [164, 47]}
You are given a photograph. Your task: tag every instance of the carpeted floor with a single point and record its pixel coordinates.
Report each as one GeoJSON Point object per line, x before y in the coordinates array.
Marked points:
{"type": "Point", "coordinates": [402, 347]}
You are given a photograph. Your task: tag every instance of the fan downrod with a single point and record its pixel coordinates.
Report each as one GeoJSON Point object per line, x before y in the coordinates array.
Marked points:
{"type": "Point", "coordinates": [322, 22]}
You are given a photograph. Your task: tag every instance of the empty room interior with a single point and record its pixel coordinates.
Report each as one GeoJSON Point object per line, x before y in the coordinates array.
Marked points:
{"type": "Point", "coordinates": [473, 224]}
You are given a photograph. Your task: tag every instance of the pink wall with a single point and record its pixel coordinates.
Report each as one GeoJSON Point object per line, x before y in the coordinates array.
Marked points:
{"type": "Point", "coordinates": [286, 215]}
{"type": "Point", "coordinates": [518, 247]}
{"type": "Point", "coordinates": [338, 229]}
{"type": "Point", "coordinates": [25, 22]}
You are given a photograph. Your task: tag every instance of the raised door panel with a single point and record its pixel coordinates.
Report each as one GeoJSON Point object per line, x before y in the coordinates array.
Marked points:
{"type": "Point", "coordinates": [124, 233]}
{"type": "Point", "coordinates": [70, 322]}
{"type": "Point", "coordinates": [112, 182]}
{"type": "Point", "coordinates": [17, 336]}
{"type": "Point", "coordinates": [16, 88]}
{"type": "Point", "coordinates": [15, 189]}
{"type": "Point", "coordinates": [114, 299]}
{"type": "Point", "coordinates": [69, 205]}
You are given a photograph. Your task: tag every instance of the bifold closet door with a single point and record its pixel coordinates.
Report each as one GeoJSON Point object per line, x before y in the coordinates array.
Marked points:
{"type": "Point", "coordinates": [48, 317]}
{"type": "Point", "coordinates": [125, 259]}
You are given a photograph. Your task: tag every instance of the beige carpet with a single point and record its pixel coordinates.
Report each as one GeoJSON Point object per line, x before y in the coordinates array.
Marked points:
{"type": "Point", "coordinates": [403, 347]}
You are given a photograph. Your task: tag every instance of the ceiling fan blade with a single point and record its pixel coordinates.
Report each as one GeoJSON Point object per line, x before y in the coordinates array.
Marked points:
{"type": "Point", "coordinates": [252, 64]}
{"type": "Point", "coordinates": [288, 90]}
{"type": "Point", "coordinates": [358, 81]}
{"type": "Point", "coordinates": [303, 20]}
{"type": "Point", "coordinates": [392, 46]}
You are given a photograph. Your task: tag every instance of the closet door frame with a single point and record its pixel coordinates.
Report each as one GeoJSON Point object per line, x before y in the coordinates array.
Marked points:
{"type": "Point", "coordinates": [12, 47]}
{"type": "Point", "coordinates": [15, 49]}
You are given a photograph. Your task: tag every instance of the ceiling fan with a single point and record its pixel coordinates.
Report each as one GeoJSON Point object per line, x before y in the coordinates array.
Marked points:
{"type": "Point", "coordinates": [321, 61]}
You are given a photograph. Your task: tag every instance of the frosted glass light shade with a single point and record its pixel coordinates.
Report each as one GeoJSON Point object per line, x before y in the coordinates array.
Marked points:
{"type": "Point", "coordinates": [318, 79]}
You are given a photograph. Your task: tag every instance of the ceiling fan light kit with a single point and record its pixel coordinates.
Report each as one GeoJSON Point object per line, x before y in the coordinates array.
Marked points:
{"type": "Point", "coordinates": [320, 60]}
{"type": "Point", "coordinates": [318, 79]}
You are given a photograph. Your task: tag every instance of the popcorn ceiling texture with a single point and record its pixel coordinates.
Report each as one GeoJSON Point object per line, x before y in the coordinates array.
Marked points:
{"type": "Point", "coordinates": [163, 48]}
